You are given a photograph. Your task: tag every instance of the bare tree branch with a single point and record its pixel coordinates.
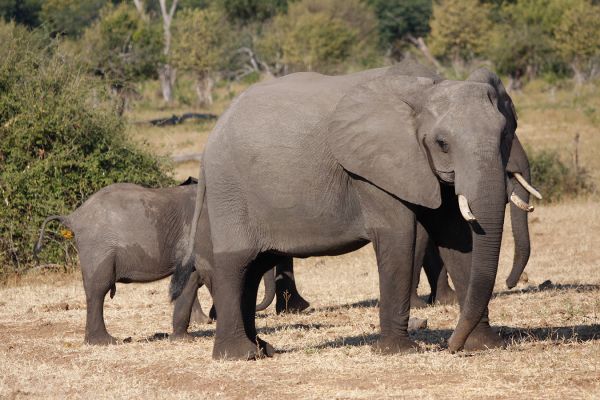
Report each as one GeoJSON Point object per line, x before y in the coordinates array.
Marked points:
{"type": "Point", "coordinates": [419, 43]}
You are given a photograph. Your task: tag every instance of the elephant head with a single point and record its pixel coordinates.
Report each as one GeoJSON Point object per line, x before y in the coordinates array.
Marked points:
{"type": "Point", "coordinates": [518, 178]}
{"type": "Point", "coordinates": [407, 135]}
{"type": "Point", "coordinates": [517, 168]}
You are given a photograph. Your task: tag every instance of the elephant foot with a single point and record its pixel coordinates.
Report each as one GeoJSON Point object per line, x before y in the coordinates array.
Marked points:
{"type": "Point", "coordinates": [181, 337]}
{"type": "Point", "coordinates": [198, 317]}
{"type": "Point", "coordinates": [395, 345]}
{"type": "Point", "coordinates": [242, 349]}
{"type": "Point", "coordinates": [100, 339]}
{"type": "Point", "coordinates": [295, 304]}
{"type": "Point", "coordinates": [417, 302]}
{"type": "Point", "coordinates": [482, 338]}
{"type": "Point", "coordinates": [446, 297]}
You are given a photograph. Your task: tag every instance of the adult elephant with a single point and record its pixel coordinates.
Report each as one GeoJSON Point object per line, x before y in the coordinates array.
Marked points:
{"type": "Point", "coordinates": [309, 165]}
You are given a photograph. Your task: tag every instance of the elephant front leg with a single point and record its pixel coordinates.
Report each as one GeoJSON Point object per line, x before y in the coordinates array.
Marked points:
{"type": "Point", "coordinates": [444, 293]}
{"type": "Point", "coordinates": [458, 265]}
{"type": "Point", "coordinates": [183, 309]}
{"type": "Point", "coordinates": [288, 298]}
{"type": "Point", "coordinates": [235, 292]}
{"type": "Point", "coordinates": [420, 248]}
{"type": "Point", "coordinates": [395, 257]}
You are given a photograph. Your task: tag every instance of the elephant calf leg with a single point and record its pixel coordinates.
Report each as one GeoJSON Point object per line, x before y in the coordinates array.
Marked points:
{"type": "Point", "coordinates": [444, 293]}
{"type": "Point", "coordinates": [96, 287]}
{"type": "Point", "coordinates": [288, 298]}
{"type": "Point", "coordinates": [183, 309]}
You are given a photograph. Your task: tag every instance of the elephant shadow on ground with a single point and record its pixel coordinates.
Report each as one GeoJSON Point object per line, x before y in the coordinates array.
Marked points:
{"type": "Point", "coordinates": [555, 334]}
{"type": "Point", "coordinates": [438, 338]}
{"type": "Point", "coordinates": [549, 285]}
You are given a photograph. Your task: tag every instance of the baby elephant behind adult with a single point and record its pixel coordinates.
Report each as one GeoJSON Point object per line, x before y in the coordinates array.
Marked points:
{"type": "Point", "coordinates": [128, 233]}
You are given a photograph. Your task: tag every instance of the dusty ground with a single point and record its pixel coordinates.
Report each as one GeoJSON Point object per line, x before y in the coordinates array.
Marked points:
{"type": "Point", "coordinates": [553, 331]}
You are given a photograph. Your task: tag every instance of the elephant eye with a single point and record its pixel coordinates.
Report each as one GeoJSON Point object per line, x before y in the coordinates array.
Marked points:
{"type": "Point", "coordinates": [442, 144]}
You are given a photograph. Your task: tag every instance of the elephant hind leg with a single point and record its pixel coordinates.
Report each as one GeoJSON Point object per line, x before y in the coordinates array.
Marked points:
{"type": "Point", "coordinates": [235, 290]}
{"type": "Point", "coordinates": [421, 246]}
{"type": "Point", "coordinates": [183, 308]}
{"type": "Point", "coordinates": [288, 298]}
{"type": "Point", "coordinates": [97, 283]}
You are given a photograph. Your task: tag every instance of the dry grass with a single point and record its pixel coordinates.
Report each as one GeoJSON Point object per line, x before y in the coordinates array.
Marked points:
{"type": "Point", "coordinates": [554, 334]}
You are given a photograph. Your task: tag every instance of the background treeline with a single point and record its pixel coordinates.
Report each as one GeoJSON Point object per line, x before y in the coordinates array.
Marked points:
{"type": "Point", "coordinates": [126, 41]}
{"type": "Point", "coordinates": [70, 69]}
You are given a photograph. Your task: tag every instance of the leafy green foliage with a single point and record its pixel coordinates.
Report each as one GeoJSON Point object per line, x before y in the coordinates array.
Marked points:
{"type": "Point", "coordinates": [70, 17]}
{"type": "Point", "coordinates": [458, 29]}
{"type": "Point", "coordinates": [122, 47]}
{"type": "Point", "coordinates": [556, 179]}
{"type": "Point", "coordinates": [200, 40]}
{"type": "Point", "coordinates": [25, 12]}
{"type": "Point", "coordinates": [60, 141]}
{"type": "Point", "coordinates": [399, 18]}
{"type": "Point", "coordinates": [246, 11]}
{"type": "Point", "coordinates": [577, 37]}
{"type": "Point", "coordinates": [520, 44]}
{"type": "Point", "coordinates": [321, 35]}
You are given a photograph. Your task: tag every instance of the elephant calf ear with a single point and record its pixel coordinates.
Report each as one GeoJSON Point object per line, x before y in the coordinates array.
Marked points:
{"type": "Point", "coordinates": [372, 133]}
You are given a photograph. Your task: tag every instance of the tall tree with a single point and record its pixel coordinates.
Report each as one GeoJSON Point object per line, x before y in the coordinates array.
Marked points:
{"type": "Point", "coordinates": [320, 35]}
{"type": "Point", "coordinates": [123, 48]}
{"type": "Point", "coordinates": [403, 22]}
{"type": "Point", "coordinates": [577, 38]}
{"type": "Point", "coordinates": [166, 73]}
{"type": "Point", "coordinates": [459, 29]}
{"type": "Point", "coordinates": [200, 47]}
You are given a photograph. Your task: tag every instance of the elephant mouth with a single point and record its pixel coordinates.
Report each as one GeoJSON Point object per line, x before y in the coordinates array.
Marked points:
{"type": "Point", "coordinates": [445, 176]}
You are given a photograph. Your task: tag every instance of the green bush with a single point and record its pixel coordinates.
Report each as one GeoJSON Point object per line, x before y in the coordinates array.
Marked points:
{"type": "Point", "coordinates": [556, 179]}
{"type": "Point", "coordinates": [60, 141]}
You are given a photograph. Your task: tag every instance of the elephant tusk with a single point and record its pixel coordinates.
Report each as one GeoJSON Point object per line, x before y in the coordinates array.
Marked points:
{"type": "Point", "coordinates": [527, 186]}
{"type": "Point", "coordinates": [463, 204]}
{"type": "Point", "coordinates": [519, 202]}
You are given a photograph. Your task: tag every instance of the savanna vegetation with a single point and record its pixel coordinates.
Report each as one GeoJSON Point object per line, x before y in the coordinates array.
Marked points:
{"type": "Point", "coordinates": [79, 81]}
{"type": "Point", "coordinates": [77, 74]}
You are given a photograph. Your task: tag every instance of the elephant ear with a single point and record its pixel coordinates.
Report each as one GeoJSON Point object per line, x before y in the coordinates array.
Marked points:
{"type": "Point", "coordinates": [372, 133]}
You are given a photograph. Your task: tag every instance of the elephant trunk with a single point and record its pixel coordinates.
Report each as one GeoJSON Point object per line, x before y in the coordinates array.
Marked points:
{"type": "Point", "coordinates": [488, 203]}
{"type": "Point", "coordinates": [520, 230]}
{"type": "Point", "coordinates": [269, 279]}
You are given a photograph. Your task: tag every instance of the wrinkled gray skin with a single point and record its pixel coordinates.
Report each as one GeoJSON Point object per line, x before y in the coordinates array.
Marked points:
{"type": "Point", "coordinates": [310, 165]}
{"type": "Point", "coordinates": [128, 233]}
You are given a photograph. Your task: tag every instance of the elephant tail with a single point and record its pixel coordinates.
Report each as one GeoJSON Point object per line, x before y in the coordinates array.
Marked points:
{"type": "Point", "coordinates": [269, 279]}
{"type": "Point", "coordinates": [40, 243]}
{"type": "Point", "coordinates": [185, 268]}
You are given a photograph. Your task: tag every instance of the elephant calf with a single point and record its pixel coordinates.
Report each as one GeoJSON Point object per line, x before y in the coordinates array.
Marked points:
{"type": "Point", "coordinates": [128, 233]}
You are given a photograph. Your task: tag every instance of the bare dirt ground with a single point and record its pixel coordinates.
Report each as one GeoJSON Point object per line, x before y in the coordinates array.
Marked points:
{"type": "Point", "coordinates": [553, 331]}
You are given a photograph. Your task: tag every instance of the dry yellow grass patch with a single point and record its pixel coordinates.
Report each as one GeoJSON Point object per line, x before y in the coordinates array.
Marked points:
{"type": "Point", "coordinates": [553, 331]}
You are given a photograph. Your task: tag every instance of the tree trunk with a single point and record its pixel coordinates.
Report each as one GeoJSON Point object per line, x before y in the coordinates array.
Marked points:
{"type": "Point", "coordinates": [419, 43]}
{"type": "Point", "coordinates": [577, 74]}
{"type": "Point", "coordinates": [204, 86]}
{"type": "Point", "coordinates": [166, 74]}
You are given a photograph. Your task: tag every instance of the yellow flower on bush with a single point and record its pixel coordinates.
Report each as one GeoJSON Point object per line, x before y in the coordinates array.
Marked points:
{"type": "Point", "coordinates": [67, 234]}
